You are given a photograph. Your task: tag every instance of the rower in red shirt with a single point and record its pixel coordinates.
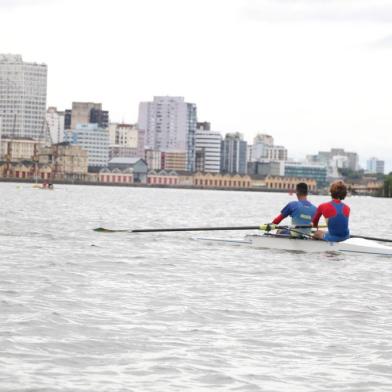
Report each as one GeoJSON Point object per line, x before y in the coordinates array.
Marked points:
{"type": "Point", "coordinates": [336, 214]}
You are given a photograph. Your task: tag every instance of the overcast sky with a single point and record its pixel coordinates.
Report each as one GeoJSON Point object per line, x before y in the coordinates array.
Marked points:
{"type": "Point", "coordinates": [315, 74]}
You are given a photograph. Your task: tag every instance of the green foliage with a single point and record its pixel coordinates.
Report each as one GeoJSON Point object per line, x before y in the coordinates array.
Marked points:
{"type": "Point", "coordinates": [388, 185]}
{"type": "Point", "coordinates": [380, 176]}
{"type": "Point", "coordinates": [349, 174]}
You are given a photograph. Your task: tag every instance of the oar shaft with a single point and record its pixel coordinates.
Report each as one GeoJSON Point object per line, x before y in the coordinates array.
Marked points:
{"type": "Point", "coordinates": [195, 229]}
{"type": "Point", "coordinates": [371, 238]}
{"type": "Point", "coordinates": [260, 227]}
{"type": "Point", "coordinates": [265, 227]}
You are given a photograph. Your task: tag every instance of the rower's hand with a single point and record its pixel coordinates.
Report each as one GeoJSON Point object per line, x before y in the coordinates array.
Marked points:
{"type": "Point", "coordinates": [267, 227]}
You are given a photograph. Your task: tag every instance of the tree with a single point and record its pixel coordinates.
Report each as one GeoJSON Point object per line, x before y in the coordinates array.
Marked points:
{"type": "Point", "coordinates": [388, 186]}
{"type": "Point", "coordinates": [350, 174]}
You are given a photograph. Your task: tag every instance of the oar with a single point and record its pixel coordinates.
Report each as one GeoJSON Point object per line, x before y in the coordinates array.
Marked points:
{"type": "Point", "coordinates": [371, 238]}
{"type": "Point", "coordinates": [104, 230]}
{"type": "Point", "coordinates": [265, 227]}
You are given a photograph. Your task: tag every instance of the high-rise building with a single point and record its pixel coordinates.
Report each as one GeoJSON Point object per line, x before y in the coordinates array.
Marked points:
{"type": "Point", "coordinates": [55, 124]}
{"type": "Point", "coordinates": [233, 154]}
{"type": "Point", "coordinates": [336, 157]}
{"type": "Point", "coordinates": [249, 153]}
{"type": "Point", "coordinates": [374, 165]}
{"type": "Point", "coordinates": [123, 135]}
{"type": "Point", "coordinates": [208, 150]}
{"type": "Point", "coordinates": [276, 153]}
{"type": "Point", "coordinates": [174, 160]}
{"type": "Point", "coordinates": [170, 125]}
{"type": "Point", "coordinates": [268, 140]}
{"type": "Point", "coordinates": [259, 150]}
{"type": "Point", "coordinates": [22, 97]}
{"type": "Point", "coordinates": [86, 113]}
{"type": "Point", "coordinates": [205, 126]}
{"type": "Point", "coordinates": [200, 161]}
{"type": "Point", "coordinates": [67, 118]}
{"type": "Point", "coordinates": [126, 140]}
{"type": "Point", "coordinates": [153, 159]}
{"type": "Point", "coordinates": [94, 140]}
{"type": "Point", "coordinates": [167, 160]}
{"type": "Point", "coordinates": [266, 168]}
{"type": "Point", "coordinates": [100, 117]}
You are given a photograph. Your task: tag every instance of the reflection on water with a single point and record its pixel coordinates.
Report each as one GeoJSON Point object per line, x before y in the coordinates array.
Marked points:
{"type": "Point", "coordinates": [86, 311]}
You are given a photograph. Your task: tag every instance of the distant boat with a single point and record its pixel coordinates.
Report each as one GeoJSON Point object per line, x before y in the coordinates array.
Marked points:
{"type": "Point", "coordinates": [45, 186]}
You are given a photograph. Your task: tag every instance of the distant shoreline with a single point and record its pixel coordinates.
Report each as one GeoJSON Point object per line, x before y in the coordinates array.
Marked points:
{"type": "Point", "coordinates": [138, 185]}
{"type": "Point", "coordinates": [162, 186]}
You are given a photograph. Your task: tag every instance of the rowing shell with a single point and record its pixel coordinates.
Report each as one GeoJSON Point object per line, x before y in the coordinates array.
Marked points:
{"type": "Point", "coordinates": [280, 242]}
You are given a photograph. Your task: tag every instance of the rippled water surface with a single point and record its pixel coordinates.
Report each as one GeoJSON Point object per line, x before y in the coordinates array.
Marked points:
{"type": "Point", "coordinates": [87, 311]}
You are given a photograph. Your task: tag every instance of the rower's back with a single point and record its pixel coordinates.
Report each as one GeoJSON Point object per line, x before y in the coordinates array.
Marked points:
{"type": "Point", "coordinates": [336, 214]}
{"type": "Point", "coordinates": [302, 214]}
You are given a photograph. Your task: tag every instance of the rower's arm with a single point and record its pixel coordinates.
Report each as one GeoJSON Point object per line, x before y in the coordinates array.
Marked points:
{"type": "Point", "coordinates": [278, 219]}
{"type": "Point", "coordinates": [287, 211]}
{"type": "Point", "coordinates": [317, 217]}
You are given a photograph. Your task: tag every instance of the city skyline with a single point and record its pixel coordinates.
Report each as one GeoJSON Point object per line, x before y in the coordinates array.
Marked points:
{"type": "Point", "coordinates": [87, 114]}
{"type": "Point", "coordinates": [313, 86]}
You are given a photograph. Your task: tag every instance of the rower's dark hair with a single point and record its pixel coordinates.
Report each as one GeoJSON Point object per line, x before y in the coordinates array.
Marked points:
{"type": "Point", "coordinates": [302, 189]}
{"type": "Point", "coordinates": [338, 190]}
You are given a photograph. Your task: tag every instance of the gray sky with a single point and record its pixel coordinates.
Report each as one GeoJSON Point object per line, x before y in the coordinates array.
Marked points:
{"type": "Point", "coordinates": [315, 74]}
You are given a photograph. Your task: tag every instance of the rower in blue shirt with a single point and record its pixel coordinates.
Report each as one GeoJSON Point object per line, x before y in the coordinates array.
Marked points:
{"type": "Point", "coordinates": [300, 211]}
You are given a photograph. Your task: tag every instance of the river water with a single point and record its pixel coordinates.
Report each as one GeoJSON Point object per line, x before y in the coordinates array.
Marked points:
{"type": "Point", "coordinates": [87, 311]}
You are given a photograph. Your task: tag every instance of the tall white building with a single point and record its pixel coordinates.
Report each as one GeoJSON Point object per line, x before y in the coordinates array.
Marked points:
{"type": "Point", "coordinates": [268, 140]}
{"type": "Point", "coordinates": [261, 143]}
{"type": "Point", "coordinates": [374, 165]}
{"type": "Point", "coordinates": [125, 135]}
{"type": "Point", "coordinates": [170, 125]}
{"type": "Point", "coordinates": [126, 140]}
{"type": "Point", "coordinates": [276, 153]}
{"type": "Point", "coordinates": [94, 140]}
{"type": "Point", "coordinates": [22, 97]}
{"type": "Point", "coordinates": [55, 124]}
{"type": "Point", "coordinates": [208, 144]}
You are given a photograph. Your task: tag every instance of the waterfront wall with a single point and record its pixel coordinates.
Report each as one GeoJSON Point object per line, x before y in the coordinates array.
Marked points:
{"type": "Point", "coordinates": [138, 185]}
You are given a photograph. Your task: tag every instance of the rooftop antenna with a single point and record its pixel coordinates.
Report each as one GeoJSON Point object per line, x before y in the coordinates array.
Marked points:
{"type": "Point", "coordinates": [45, 135]}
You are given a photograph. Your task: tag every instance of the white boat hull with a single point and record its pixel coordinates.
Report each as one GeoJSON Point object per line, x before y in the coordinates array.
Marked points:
{"type": "Point", "coordinates": [279, 242]}
{"type": "Point", "coordinates": [352, 245]}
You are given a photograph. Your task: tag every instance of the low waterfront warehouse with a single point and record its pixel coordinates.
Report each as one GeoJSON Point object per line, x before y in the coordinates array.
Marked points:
{"type": "Point", "coordinates": [138, 166]}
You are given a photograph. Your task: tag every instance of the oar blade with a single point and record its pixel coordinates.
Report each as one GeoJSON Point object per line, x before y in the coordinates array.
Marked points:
{"type": "Point", "coordinates": [104, 230]}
